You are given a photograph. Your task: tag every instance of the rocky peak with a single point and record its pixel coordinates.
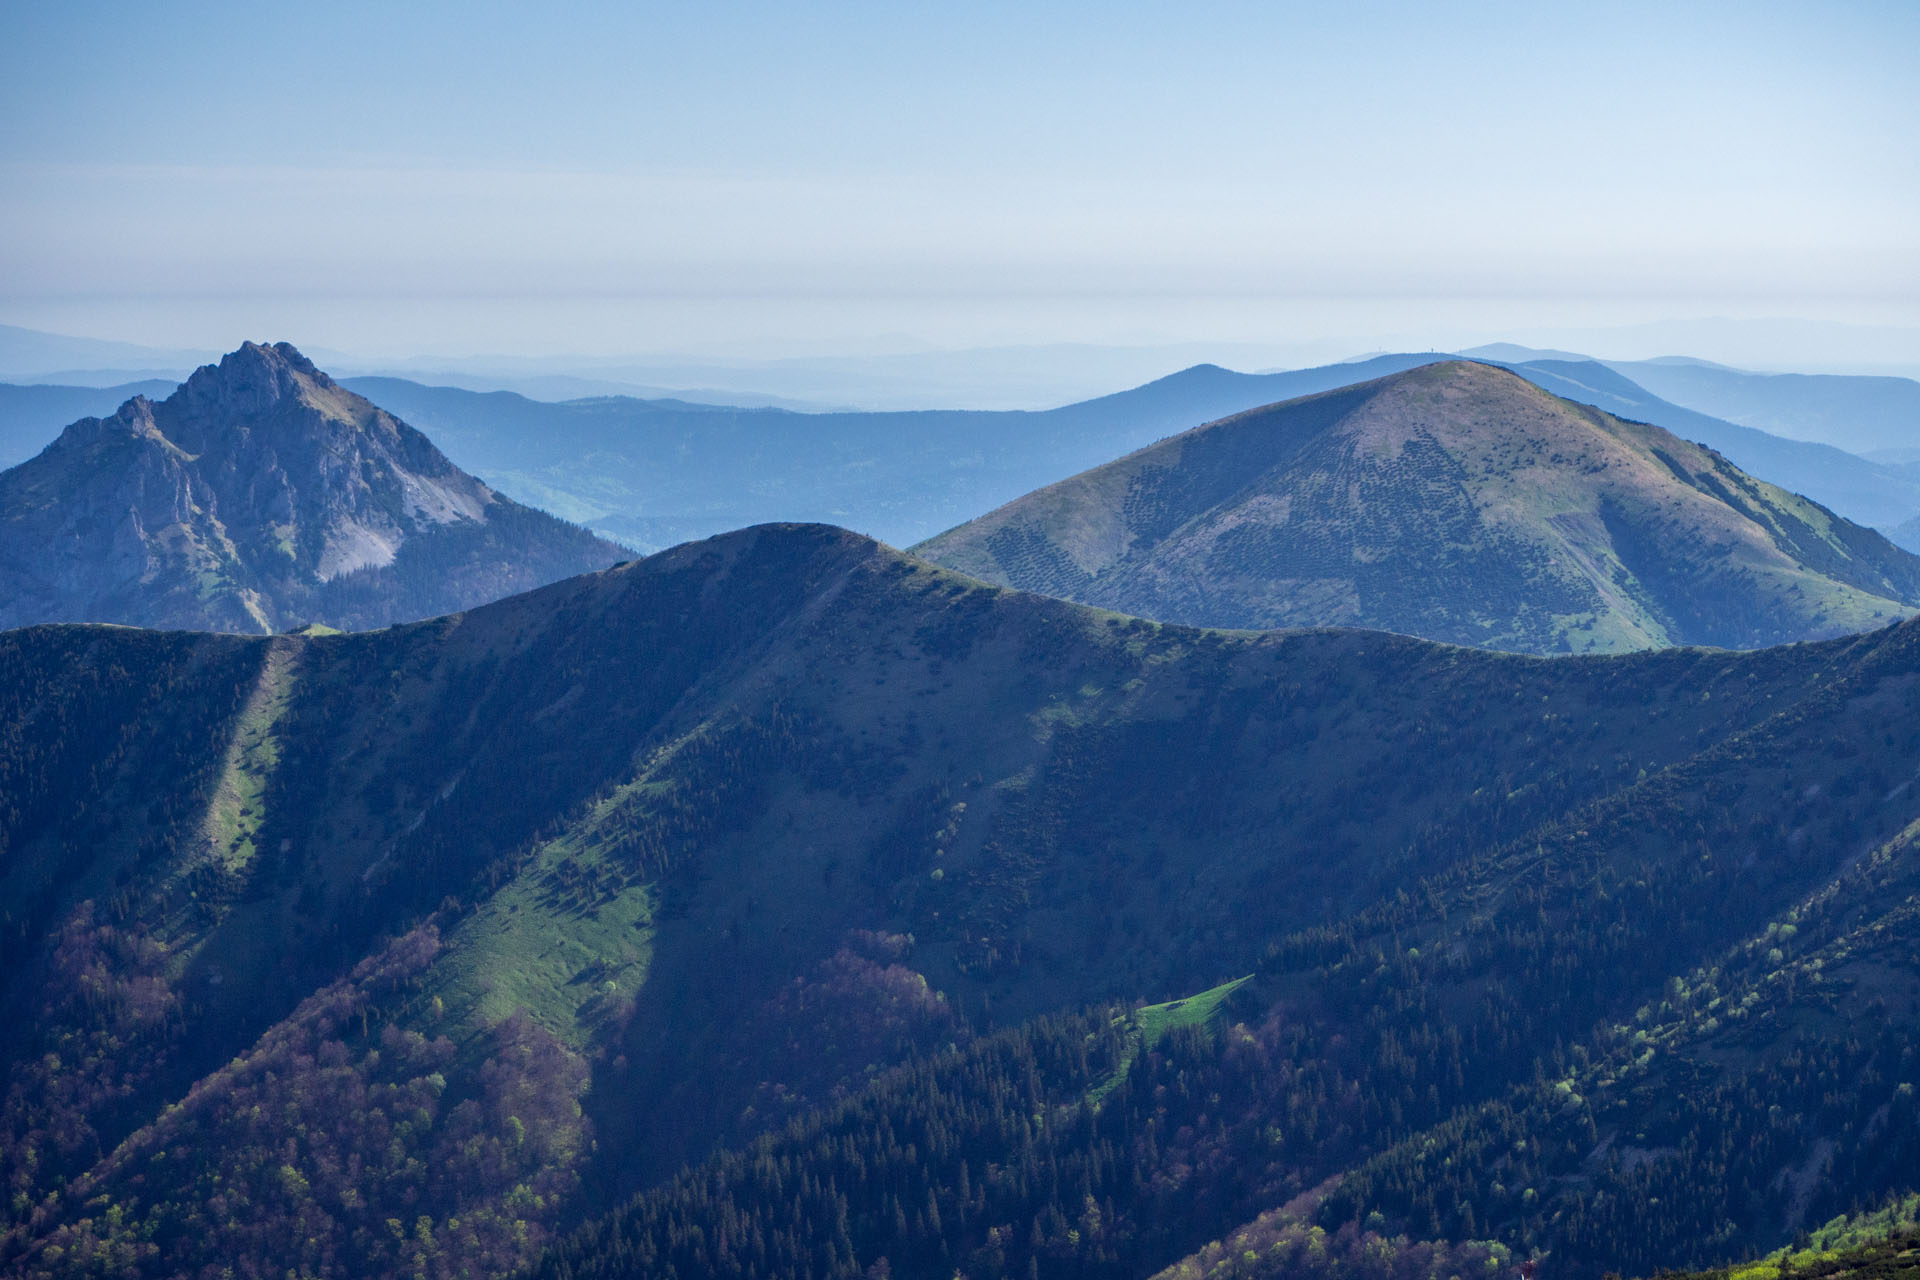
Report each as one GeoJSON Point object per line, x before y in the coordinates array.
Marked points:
{"type": "Point", "coordinates": [252, 380]}
{"type": "Point", "coordinates": [131, 420]}
{"type": "Point", "coordinates": [263, 492]}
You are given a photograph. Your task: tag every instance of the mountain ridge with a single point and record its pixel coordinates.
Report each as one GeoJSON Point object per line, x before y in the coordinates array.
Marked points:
{"type": "Point", "coordinates": [1856, 412]}
{"type": "Point", "coordinates": [790, 830]}
{"type": "Point", "coordinates": [653, 472]}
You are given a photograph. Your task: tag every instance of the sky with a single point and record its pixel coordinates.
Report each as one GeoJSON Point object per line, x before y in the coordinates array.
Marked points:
{"type": "Point", "coordinates": [778, 179]}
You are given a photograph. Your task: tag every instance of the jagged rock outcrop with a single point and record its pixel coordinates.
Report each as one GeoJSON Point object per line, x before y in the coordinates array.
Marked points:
{"type": "Point", "coordinates": [259, 496]}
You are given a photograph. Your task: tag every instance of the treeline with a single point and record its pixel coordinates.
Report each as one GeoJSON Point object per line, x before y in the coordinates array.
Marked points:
{"type": "Point", "coordinates": [1064, 1147]}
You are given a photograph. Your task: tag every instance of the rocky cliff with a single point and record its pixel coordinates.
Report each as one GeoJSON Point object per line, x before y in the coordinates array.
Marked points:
{"type": "Point", "coordinates": [259, 496]}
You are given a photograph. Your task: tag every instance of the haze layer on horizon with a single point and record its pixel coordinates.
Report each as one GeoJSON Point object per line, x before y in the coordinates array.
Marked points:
{"type": "Point", "coordinates": [779, 180]}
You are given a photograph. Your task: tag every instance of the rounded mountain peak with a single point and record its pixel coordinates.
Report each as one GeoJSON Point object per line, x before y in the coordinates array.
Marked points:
{"type": "Point", "coordinates": [1456, 501]}
{"type": "Point", "coordinates": [1459, 370]}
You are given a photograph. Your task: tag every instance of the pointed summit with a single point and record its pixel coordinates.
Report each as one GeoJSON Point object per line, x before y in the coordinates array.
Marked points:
{"type": "Point", "coordinates": [262, 494]}
{"type": "Point", "coordinates": [253, 379]}
{"type": "Point", "coordinates": [1455, 501]}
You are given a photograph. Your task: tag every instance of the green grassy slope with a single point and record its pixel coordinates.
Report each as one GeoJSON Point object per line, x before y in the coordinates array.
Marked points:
{"type": "Point", "coordinates": [481, 923]}
{"type": "Point", "coordinates": [1456, 502]}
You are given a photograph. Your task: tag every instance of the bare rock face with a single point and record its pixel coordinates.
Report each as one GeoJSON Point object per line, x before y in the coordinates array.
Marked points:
{"type": "Point", "coordinates": [258, 496]}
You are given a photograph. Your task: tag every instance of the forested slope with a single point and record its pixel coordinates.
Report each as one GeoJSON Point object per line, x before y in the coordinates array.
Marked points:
{"type": "Point", "coordinates": [409, 950]}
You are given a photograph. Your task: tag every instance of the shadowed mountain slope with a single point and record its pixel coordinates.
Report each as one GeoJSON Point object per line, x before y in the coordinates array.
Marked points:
{"type": "Point", "coordinates": [1455, 501]}
{"type": "Point", "coordinates": [476, 924]}
{"type": "Point", "coordinates": [259, 495]}
{"type": "Point", "coordinates": [1481, 1064]}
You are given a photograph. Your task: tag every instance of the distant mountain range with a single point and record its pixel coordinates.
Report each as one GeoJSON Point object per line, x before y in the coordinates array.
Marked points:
{"type": "Point", "coordinates": [1455, 501]}
{"type": "Point", "coordinates": [554, 388]}
{"type": "Point", "coordinates": [651, 472]}
{"type": "Point", "coordinates": [262, 495]}
{"type": "Point", "coordinates": [31, 355]}
{"type": "Point", "coordinates": [783, 905]}
{"type": "Point", "coordinates": [1860, 413]}
{"type": "Point", "coordinates": [1597, 578]}
{"type": "Point", "coordinates": [898, 373]}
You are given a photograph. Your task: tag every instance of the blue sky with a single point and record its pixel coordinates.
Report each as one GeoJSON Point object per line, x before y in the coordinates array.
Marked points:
{"type": "Point", "coordinates": [635, 177]}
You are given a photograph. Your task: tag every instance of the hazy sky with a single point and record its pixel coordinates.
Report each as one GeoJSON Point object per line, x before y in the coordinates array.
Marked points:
{"type": "Point", "coordinates": [628, 177]}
